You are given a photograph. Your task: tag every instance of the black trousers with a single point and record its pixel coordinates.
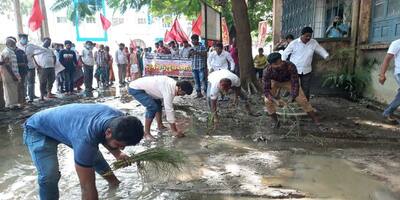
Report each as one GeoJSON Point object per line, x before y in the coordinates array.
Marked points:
{"type": "Point", "coordinates": [305, 82]}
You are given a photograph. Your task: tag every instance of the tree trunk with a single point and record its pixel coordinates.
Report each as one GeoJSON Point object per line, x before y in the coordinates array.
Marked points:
{"type": "Point", "coordinates": [18, 17]}
{"type": "Point", "coordinates": [243, 39]}
{"type": "Point", "coordinates": [44, 30]}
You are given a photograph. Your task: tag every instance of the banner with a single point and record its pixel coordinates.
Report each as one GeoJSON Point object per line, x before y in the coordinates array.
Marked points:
{"type": "Point", "coordinates": [211, 19]}
{"type": "Point", "coordinates": [262, 33]}
{"type": "Point", "coordinates": [225, 33]}
{"type": "Point", "coordinates": [168, 66]}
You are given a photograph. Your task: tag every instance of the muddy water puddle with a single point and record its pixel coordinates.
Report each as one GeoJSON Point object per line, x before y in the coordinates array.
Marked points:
{"type": "Point", "coordinates": [218, 167]}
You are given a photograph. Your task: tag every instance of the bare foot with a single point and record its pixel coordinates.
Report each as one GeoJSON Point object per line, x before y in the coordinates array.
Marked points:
{"type": "Point", "coordinates": [149, 137]}
{"type": "Point", "coordinates": [179, 135]}
{"type": "Point", "coordinates": [162, 128]}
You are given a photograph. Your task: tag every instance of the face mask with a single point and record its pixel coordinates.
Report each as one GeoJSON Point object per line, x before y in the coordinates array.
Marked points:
{"type": "Point", "coordinates": [24, 41]}
{"type": "Point", "coordinates": [89, 47]}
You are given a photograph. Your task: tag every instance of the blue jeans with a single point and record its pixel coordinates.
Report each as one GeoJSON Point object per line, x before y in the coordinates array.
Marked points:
{"type": "Point", "coordinates": [30, 80]}
{"type": "Point", "coordinates": [105, 77]}
{"type": "Point", "coordinates": [69, 79]}
{"type": "Point", "coordinates": [152, 105]}
{"type": "Point", "coordinates": [43, 151]}
{"type": "Point", "coordinates": [200, 79]}
{"type": "Point", "coordinates": [396, 101]}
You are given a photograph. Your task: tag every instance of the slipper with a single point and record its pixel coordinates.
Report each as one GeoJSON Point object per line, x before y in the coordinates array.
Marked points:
{"type": "Point", "coordinates": [392, 120]}
{"type": "Point", "coordinates": [322, 128]}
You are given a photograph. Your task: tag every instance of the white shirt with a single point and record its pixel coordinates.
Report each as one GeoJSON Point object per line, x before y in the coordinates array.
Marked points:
{"type": "Point", "coordinates": [31, 50]}
{"type": "Point", "coordinates": [215, 77]}
{"type": "Point", "coordinates": [394, 49]}
{"type": "Point", "coordinates": [302, 54]}
{"type": "Point", "coordinates": [159, 87]}
{"type": "Point", "coordinates": [120, 57]}
{"type": "Point", "coordinates": [218, 62]}
{"type": "Point", "coordinates": [174, 51]}
{"type": "Point", "coordinates": [87, 57]}
{"type": "Point", "coordinates": [47, 59]}
{"type": "Point", "coordinates": [185, 52]}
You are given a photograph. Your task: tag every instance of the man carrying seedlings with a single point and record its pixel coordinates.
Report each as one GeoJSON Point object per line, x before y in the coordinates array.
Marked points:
{"type": "Point", "coordinates": [222, 81]}
{"type": "Point", "coordinates": [82, 127]}
{"type": "Point", "coordinates": [283, 75]}
{"type": "Point", "coordinates": [149, 91]}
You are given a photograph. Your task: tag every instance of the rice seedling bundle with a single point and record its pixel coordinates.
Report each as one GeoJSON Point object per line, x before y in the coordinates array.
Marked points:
{"type": "Point", "coordinates": [158, 159]}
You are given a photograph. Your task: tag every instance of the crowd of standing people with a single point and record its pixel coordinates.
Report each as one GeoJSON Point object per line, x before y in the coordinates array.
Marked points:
{"type": "Point", "coordinates": [64, 66]}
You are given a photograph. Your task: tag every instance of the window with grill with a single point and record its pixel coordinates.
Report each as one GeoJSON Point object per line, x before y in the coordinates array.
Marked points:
{"type": "Point", "coordinates": [90, 20]}
{"type": "Point", "coordinates": [385, 21]}
{"type": "Point", "coordinates": [328, 18]}
{"type": "Point", "coordinates": [142, 21]}
{"type": "Point", "coordinates": [117, 21]}
{"type": "Point", "coordinates": [61, 20]}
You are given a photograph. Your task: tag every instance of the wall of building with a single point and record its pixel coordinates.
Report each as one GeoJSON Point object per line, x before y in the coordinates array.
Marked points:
{"type": "Point", "coordinates": [358, 41]}
{"type": "Point", "coordinates": [321, 67]}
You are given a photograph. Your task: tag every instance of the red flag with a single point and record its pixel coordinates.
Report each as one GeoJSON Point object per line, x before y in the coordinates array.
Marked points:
{"type": "Point", "coordinates": [168, 37]}
{"type": "Point", "coordinates": [262, 33]}
{"type": "Point", "coordinates": [105, 22]}
{"type": "Point", "coordinates": [196, 25]}
{"type": "Point", "coordinates": [225, 32]}
{"type": "Point", "coordinates": [177, 33]}
{"type": "Point", "coordinates": [36, 18]}
{"type": "Point", "coordinates": [133, 44]}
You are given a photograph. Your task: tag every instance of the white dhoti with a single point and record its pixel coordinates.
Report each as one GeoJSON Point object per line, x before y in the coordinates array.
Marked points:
{"type": "Point", "coordinates": [10, 88]}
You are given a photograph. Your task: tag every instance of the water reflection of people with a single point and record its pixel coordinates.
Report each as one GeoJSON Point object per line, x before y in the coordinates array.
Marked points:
{"type": "Point", "coordinates": [88, 126]}
{"type": "Point", "coordinates": [338, 29]}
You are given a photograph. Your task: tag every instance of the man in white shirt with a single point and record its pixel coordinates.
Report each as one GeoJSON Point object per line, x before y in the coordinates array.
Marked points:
{"type": "Point", "coordinates": [301, 52]}
{"type": "Point", "coordinates": [173, 48]}
{"type": "Point", "coordinates": [87, 60]}
{"type": "Point", "coordinates": [30, 51]}
{"type": "Point", "coordinates": [222, 81]}
{"type": "Point", "coordinates": [149, 91]}
{"type": "Point", "coordinates": [46, 63]}
{"type": "Point", "coordinates": [184, 53]}
{"type": "Point", "coordinates": [393, 52]}
{"type": "Point", "coordinates": [219, 59]}
{"type": "Point", "coordinates": [122, 60]}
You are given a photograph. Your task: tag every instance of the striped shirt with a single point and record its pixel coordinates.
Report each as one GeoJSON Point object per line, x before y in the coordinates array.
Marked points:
{"type": "Point", "coordinates": [101, 59]}
{"type": "Point", "coordinates": [198, 61]}
{"type": "Point", "coordinates": [9, 54]}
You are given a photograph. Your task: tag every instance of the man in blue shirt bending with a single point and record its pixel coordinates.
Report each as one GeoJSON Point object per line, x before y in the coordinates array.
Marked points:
{"type": "Point", "coordinates": [82, 127]}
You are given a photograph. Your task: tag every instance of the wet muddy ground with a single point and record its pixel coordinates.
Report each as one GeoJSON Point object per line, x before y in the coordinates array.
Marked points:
{"type": "Point", "coordinates": [356, 157]}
